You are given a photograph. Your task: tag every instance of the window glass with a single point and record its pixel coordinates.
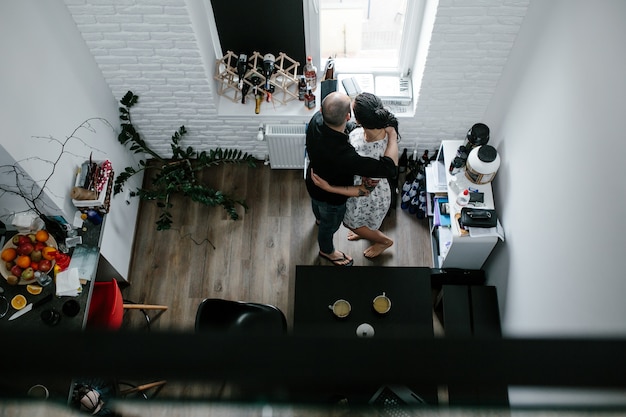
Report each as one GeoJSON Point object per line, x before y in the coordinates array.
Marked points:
{"type": "Point", "coordinates": [362, 34]}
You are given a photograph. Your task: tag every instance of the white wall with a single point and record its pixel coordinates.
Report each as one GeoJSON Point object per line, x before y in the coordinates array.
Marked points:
{"type": "Point", "coordinates": [558, 121]}
{"type": "Point", "coordinates": [50, 84]}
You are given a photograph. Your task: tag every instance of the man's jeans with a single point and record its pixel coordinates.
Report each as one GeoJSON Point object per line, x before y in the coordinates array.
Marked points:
{"type": "Point", "coordinates": [330, 217]}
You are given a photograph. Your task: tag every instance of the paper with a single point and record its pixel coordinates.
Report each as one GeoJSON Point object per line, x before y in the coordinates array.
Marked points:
{"type": "Point", "coordinates": [487, 231]}
{"type": "Point", "coordinates": [68, 283]}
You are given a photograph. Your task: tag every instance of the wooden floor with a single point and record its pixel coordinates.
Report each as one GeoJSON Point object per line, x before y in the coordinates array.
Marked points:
{"type": "Point", "coordinates": [206, 254]}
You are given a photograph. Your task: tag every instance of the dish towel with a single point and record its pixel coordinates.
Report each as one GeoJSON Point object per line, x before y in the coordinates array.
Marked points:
{"type": "Point", "coordinates": [68, 283]}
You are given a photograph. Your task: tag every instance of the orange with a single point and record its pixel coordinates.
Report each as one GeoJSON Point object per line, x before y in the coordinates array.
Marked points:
{"type": "Point", "coordinates": [18, 302]}
{"type": "Point", "coordinates": [48, 252]}
{"type": "Point", "coordinates": [42, 236]}
{"type": "Point", "coordinates": [34, 289]}
{"type": "Point", "coordinates": [9, 254]}
{"type": "Point", "coordinates": [23, 261]}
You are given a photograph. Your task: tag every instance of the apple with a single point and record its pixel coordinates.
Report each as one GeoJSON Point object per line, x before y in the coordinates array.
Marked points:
{"type": "Point", "coordinates": [39, 246]}
{"type": "Point", "coordinates": [16, 240]}
{"type": "Point", "coordinates": [16, 270]}
{"type": "Point", "coordinates": [45, 265]}
{"type": "Point", "coordinates": [24, 239]}
{"type": "Point", "coordinates": [32, 237]}
{"type": "Point", "coordinates": [25, 249]}
{"type": "Point", "coordinates": [28, 273]}
{"type": "Point", "coordinates": [35, 256]}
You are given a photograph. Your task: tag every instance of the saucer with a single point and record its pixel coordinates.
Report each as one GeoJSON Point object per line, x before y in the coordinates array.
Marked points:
{"type": "Point", "coordinates": [51, 317]}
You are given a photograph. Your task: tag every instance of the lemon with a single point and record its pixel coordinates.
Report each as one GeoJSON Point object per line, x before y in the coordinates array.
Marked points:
{"type": "Point", "coordinates": [18, 302]}
{"type": "Point", "coordinates": [34, 289]}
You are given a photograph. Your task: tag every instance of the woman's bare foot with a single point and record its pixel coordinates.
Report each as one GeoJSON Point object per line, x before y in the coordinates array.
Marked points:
{"type": "Point", "coordinates": [353, 236]}
{"type": "Point", "coordinates": [376, 249]}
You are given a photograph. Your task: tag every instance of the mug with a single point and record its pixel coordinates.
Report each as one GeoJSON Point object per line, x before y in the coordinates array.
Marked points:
{"type": "Point", "coordinates": [38, 391]}
{"type": "Point", "coordinates": [341, 308]}
{"type": "Point", "coordinates": [382, 304]}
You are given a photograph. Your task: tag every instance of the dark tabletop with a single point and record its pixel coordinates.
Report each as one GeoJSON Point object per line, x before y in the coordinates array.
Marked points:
{"type": "Point", "coordinates": [409, 289]}
{"type": "Point", "coordinates": [15, 386]}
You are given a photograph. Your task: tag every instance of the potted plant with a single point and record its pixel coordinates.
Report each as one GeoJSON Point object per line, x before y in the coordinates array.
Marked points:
{"type": "Point", "coordinates": [178, 173]}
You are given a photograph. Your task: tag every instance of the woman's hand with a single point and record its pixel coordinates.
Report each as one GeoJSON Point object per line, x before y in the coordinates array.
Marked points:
{"type": "Point", "coordinates": [320, 182]}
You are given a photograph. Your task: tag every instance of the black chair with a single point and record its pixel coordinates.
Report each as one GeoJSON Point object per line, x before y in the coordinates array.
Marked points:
{"type": "Point", "coordinates": [219, 315]}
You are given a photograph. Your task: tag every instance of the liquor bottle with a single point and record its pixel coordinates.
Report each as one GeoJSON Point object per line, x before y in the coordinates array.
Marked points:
{"type": "Point", "coordinates": [403, 161]}
{"type": "Point", "coordinates": [309, 99]}
{"type": "Point", "coordinates": [462, 199]}
{"type": "Point", "coordinates": [301, 88]}
{"type": "Point", "coordinates": [310, 73]}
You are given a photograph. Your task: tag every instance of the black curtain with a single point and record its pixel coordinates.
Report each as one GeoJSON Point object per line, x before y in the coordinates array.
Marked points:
{"type": "Point", "coordinates": [270, 26]}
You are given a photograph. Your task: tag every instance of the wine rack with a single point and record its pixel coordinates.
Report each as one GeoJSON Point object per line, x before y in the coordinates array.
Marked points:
{"type": "Point", "coordinates": [284, 78]}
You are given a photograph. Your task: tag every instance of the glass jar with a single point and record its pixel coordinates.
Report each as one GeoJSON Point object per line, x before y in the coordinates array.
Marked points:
{"type": "Point", "coordinates": [482, 164]}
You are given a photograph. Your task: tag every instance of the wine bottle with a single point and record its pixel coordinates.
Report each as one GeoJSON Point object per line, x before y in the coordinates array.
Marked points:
{"type": "Point", "coordinates": [403, 161]}
{"type": "Point", "coordinates": [268, 69]}
{"type": "Point", "coordinates": [242, 66]}
{"type": "Point", "coordinates": [329, 71]}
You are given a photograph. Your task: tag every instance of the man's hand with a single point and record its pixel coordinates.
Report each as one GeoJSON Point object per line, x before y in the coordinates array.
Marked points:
{"type": "Point", "coordinates": [370, 183]}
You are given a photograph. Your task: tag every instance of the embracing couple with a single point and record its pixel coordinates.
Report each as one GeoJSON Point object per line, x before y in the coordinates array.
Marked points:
{"type": "Point", "coordinates": [349, 166]}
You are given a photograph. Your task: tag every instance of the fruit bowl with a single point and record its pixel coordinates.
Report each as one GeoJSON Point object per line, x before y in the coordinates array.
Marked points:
{"type": "Point", "coordinates": [5, 272]}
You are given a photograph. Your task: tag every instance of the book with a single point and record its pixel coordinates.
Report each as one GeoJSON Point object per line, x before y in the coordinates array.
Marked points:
{"type": "Point", "coordinates": [442, 213]}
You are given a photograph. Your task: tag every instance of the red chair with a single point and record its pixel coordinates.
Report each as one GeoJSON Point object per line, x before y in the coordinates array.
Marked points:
{"type": "Point", "coordinates": [106, 309]}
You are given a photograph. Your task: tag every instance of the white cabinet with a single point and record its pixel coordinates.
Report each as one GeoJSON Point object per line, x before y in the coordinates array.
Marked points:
{"type": "Point", "coordinates": [452, 247]}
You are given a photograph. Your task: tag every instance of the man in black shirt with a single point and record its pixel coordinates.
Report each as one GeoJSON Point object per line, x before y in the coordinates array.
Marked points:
{"type": "Point", "coordinates": [333, 158]}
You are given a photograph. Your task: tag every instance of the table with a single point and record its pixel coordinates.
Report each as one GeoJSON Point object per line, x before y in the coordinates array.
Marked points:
{"type": "Point", "coordinates": [32, 322]}
{"type": "Point", "coordinates": [409, 289]}
{"type": "Point", "coordinates": [411, 316]}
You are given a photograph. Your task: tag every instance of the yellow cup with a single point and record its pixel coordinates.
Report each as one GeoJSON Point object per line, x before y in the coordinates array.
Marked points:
{"type": "Point", "coordinates": [381, 304]}
{"type": "Point", "coordinates": [341, 308]}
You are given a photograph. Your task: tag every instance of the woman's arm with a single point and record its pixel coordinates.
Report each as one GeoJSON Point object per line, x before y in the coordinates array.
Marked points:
{"type": "Point", "coordinates": [392, 144]}
{"type": "Point", "coordinates": [348, 190]}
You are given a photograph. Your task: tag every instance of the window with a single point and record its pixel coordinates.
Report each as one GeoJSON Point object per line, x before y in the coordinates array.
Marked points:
{"type": "Point", "coordinates": [379, 36]}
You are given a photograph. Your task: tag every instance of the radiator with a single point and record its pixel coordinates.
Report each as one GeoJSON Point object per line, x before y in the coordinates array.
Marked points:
{"type": "Point", "coordinates": [286, 145]}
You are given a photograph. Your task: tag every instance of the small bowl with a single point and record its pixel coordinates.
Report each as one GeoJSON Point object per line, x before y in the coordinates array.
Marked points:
{"type": "Point", "coordinates": [71, 308]}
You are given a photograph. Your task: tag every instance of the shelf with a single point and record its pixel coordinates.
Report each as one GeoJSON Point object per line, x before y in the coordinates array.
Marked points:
{"type": "Point", "coordinates": [462, 251]}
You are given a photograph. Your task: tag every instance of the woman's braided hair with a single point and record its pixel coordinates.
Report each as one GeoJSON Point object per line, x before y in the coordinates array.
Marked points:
{"type": "Point", "coordinates": [371, 114]}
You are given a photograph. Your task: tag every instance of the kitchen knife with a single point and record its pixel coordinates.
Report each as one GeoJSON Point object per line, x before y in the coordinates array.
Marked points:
{"type": "Point", "coordinates": [31, 306]}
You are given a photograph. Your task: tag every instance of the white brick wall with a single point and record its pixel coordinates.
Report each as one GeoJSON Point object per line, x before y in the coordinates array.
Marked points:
{"type": "Point", "coordinates": [149, 46]}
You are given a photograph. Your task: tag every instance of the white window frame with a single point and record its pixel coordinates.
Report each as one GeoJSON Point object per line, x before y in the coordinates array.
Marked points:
{"type": "Point", "coordinates": [408, 48]}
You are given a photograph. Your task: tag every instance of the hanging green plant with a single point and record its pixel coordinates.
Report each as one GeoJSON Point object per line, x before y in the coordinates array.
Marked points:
{"type": "Point", "coordinates": [178, 174]}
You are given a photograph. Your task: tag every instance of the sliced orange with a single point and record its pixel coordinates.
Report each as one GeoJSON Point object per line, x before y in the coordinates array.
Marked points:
{"type": "Point", "coordinates": [34, 289]}
{"type": "Point", "coordinates": [18, 302]}
{"type": "Point", "coordinates": [42, 236]}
